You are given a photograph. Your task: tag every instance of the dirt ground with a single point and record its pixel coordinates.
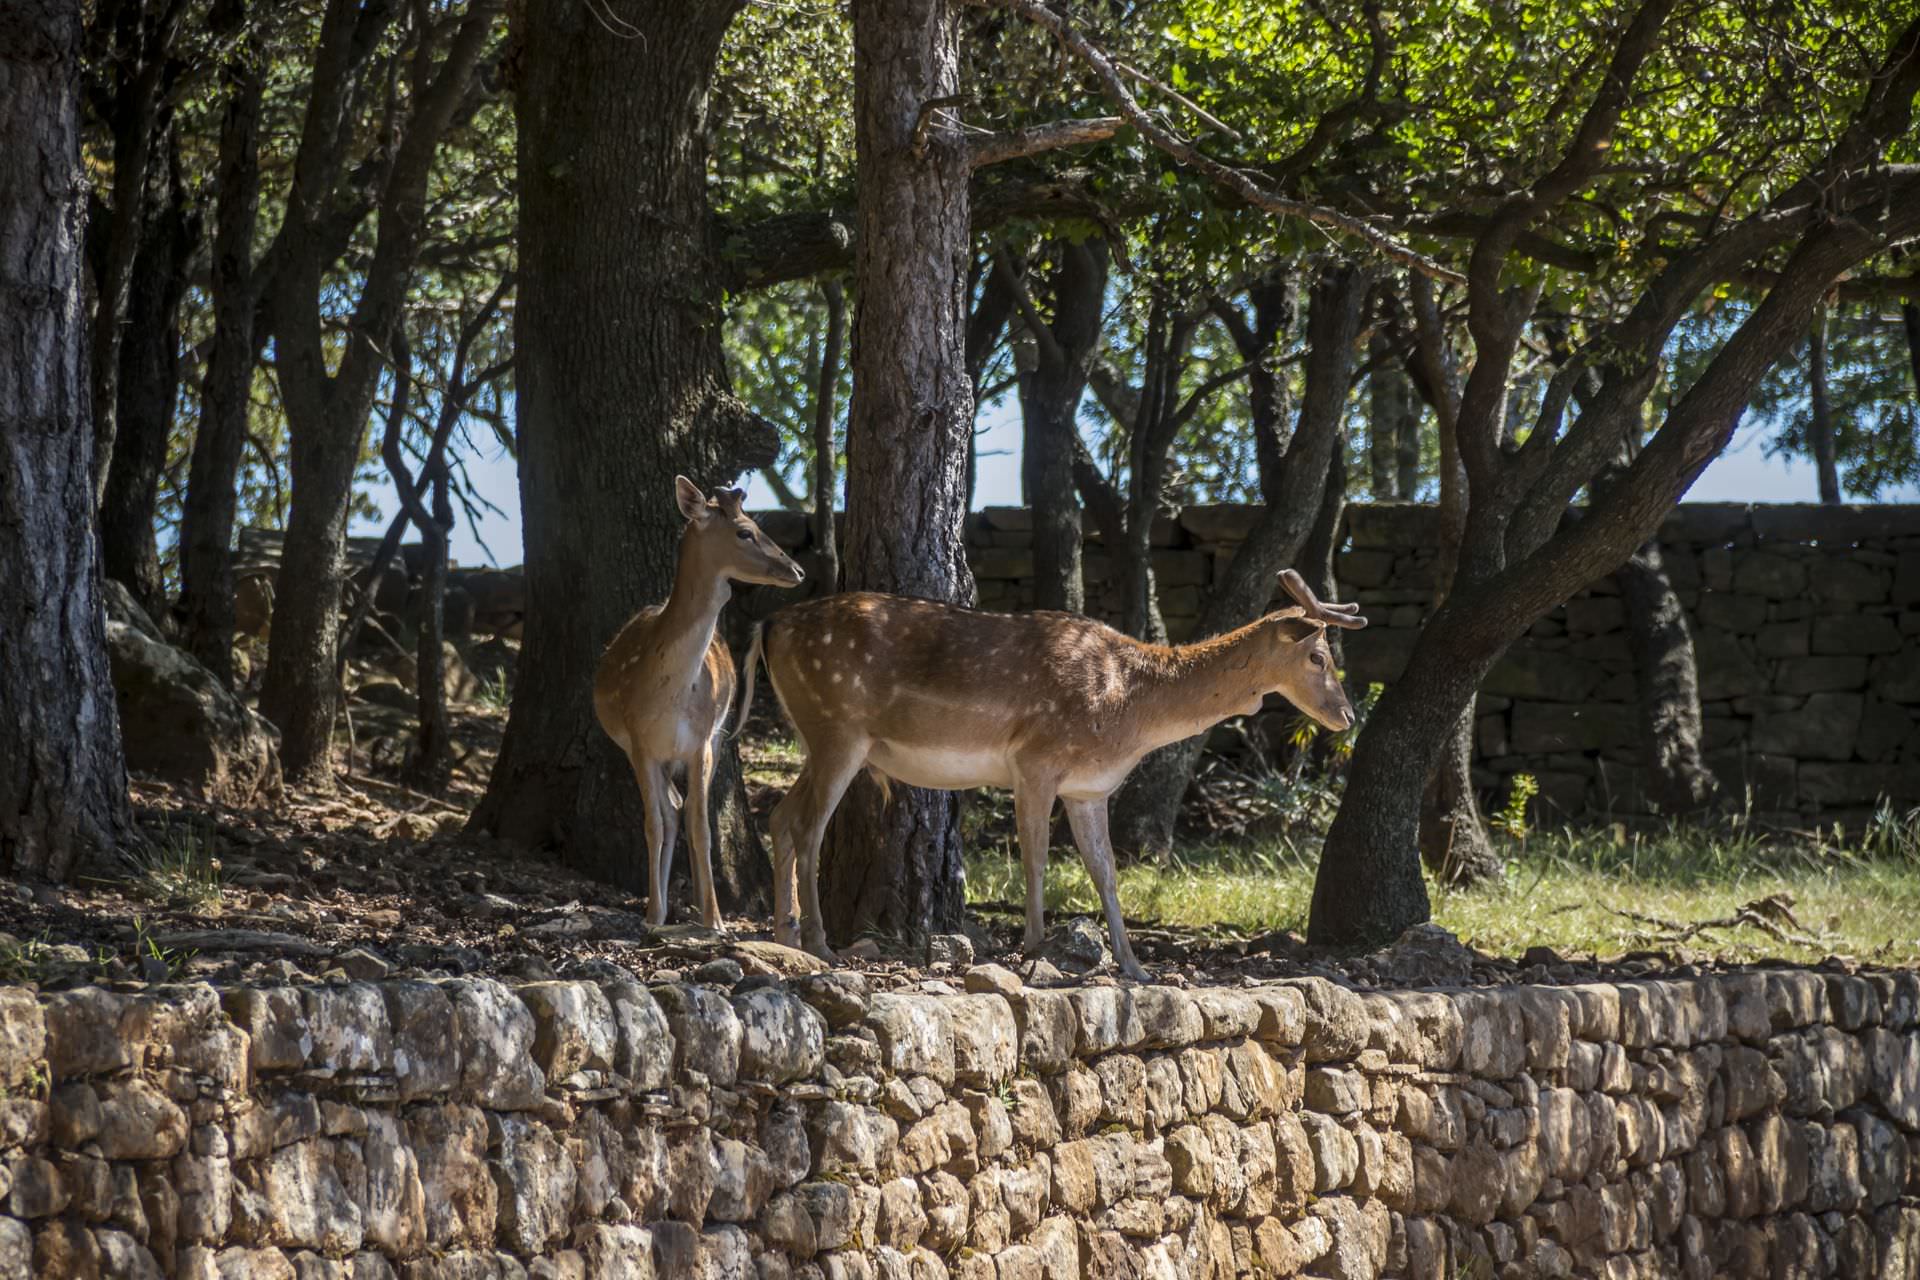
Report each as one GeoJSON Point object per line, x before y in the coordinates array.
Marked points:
{"type": "Point", "coordinates": [379, 881]}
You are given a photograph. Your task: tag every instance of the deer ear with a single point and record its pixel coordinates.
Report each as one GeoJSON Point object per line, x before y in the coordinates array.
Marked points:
{"type": "Point", "coordinates": [693, 503]}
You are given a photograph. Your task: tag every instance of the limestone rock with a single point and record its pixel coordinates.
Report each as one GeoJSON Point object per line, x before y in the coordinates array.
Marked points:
{"type": "Point", "coordinates": [706, 1032]}
{"type": "Point", "coordinates": [644, 1051]}
{"type": "Point", "coordinates": [493, 1036]}
{"type": "Point", "coordinates": [782, 1037]}
{"type": "Point", "coordinates": [178, 722]}
{"type": "Point", "coordinates": [574, 1027]}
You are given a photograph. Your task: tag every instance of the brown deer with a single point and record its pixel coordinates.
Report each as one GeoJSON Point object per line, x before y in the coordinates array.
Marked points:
{"type": "Point", "coordinates": [663, 686]}
{"type": "Point", "coordinates": [1047, 704]}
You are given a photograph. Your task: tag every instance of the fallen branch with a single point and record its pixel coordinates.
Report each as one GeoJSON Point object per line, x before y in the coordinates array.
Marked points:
{"type": "Point", "coordinates": [1766, 914]}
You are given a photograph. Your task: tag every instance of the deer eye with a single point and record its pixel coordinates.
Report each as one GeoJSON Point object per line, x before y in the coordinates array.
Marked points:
{"type": "Point", "coordinates": [745, 535]}
{"type": "Point", "coordinates": [1317, 658]}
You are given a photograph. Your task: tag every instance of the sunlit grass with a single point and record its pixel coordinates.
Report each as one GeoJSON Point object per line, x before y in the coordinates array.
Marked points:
{"type": "Point", "coordinates": [1564, 890]}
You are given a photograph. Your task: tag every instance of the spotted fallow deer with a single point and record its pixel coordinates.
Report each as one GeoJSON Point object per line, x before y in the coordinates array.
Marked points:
{"type": "Point", "coordinates": [1051, 705]}
{"type": "Point", "coordinates": [663, 686]}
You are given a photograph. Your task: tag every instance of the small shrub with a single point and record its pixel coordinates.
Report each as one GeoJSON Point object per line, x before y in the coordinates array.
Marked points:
{"type": "Point", "coordinates": [179, 869]}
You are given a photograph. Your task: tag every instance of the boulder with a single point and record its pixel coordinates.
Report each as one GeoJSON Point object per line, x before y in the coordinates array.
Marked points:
{"type": "Point", "coordinates": [180, 723]}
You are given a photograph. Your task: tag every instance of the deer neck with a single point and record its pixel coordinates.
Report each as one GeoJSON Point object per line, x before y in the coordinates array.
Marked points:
{"type": "Point", "coordinates": [1199, 685]}
{"type": "Point", "coordinates": [685, 625]}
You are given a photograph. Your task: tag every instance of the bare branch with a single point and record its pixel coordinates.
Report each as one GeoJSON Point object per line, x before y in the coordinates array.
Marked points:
{"type": "Point", "coordinates": [997, 147]}
{"type": "Point", "coordinates": [1211, 121]}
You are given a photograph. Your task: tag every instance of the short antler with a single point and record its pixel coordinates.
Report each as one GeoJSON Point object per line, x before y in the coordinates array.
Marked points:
{"type": "Point", "coordinates": [1346, 616]}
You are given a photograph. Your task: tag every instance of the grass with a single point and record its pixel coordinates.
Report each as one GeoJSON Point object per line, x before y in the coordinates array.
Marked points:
{"type": "Point", "coordinates": [1601, 890]}
{"type": "Point", "coordinates": [179, 869]}
{"type": "Point", "coordinates": [1567, 889]}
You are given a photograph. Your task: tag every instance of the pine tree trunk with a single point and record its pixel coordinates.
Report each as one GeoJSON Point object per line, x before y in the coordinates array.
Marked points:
{"type": "Point", "coordinates": [63, 784]}
{"type": "Point", "coordinates": [148, 388]}
{"type": "Point", "coordinates": [619, 386]}
{"type": "Point", "coordinates": [207, 517]}
{"type": "Point", "coordinates": [1392, 409]}
{"type": "Point", "coordinates": [896, 867]}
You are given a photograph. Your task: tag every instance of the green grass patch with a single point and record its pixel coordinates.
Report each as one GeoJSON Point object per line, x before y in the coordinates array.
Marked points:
{"type": "Point", "coordinates": [1604, 892]}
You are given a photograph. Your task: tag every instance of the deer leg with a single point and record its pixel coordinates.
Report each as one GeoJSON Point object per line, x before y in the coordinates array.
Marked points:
{"type": "Point", "coordinates": [657, 812]}
{"type": "Point", "coordinates": [670, 833]}
{"type": "Point", "coordinates": [820, 786]}
{"type": "Point", "coordinates": [700, 836]}
{"type": "Point", "coordinates": [786, 905]}
{"type": "Point", "coordinates": [1032, 816]}
{"type": "Point", "coordinates": [1089, 820]}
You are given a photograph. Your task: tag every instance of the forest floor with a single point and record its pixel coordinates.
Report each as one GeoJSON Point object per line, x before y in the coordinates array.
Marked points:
{"type": "Point", "coordinates": [377, 880]}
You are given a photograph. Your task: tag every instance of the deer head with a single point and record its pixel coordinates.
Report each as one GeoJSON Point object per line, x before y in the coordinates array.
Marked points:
{"type": "Point", "coordinates": [727, 541]}
{"type": "Point", "coordinates": [1305, 671]}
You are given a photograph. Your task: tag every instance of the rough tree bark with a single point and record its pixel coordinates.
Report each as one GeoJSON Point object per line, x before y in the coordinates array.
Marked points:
{"type": "Point", "coordinates": [63, 782]}
{"type": "Point", "coordinates": [895, 867]}
{"type": "Point", "coordinates": [207, 517]}
{"type": "Point", "coordinates": [1820, 409]}
{"type": "Point", "coordinates": [619, 386]}
{"type": "Point", "coordinates": [1063, 348]}
{"type": "Point", "coordinates": [148, 385]}
{"type": "Point", "coordinates": [1293, 480]}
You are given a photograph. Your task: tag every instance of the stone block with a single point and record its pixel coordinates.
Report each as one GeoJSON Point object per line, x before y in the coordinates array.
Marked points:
{"type": "Point", "coordinates": [1741, 614]}
{"type": "Point", "coordinates": [1868, 633]}
{"type": "Point", "coordinates": [915, 1033]}
{"type": "Point", "coordinates": [426, 1059]}
{"type": "Point", "coordinates": [645, 1048]}
{"type": "Point", "coordinates": [706, 1031]}
{"type": "Point", "coordinates": [985, 1039]}
{"type": "Point", "coordinates": [1821, 674]}
{"type": "Point", "coordinates": [1836, 785]}
{"type": "Point", "coordinates": [138, 1121]}
{"type": "Point", "coordinates": [1766, 573]}
{"type": "Point", "coordinates": [574, 1027]}
{"type": "Point", "coordinates": [1824, 728]}
{"type": "Point", "coordinates": [782, 1038]}
{"type": "Point", "coordinates": [1727, 669]}
{"type": "Point", "coordinates": [493, 1036]}
{"type": "Point", "coordinates": [1543, 676]}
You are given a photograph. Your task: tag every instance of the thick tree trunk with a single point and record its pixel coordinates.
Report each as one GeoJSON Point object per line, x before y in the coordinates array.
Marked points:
{"type": "Point", "coordinates": [1668, 679]}
{"type": "Point", "coordinates": [63, 784]}
{"type": "Point", "coordinates": [1050, 411]}
{"type": "Point", "coordinates": [207, 519]}
{"type": "Point", "coordinates": [619, 386]}
{"type": "Point", "coordinates": [895, 867]}
{"type": "Point", "coordinates": [1820, 409]}
{"type": "Point", "coordinates": [148, 388]}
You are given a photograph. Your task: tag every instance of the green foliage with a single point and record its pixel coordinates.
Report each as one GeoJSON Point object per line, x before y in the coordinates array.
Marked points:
{"type": "Point", "coordinates": [179, 869]}
{"type": "Point", "coordinates": [1511, 821]}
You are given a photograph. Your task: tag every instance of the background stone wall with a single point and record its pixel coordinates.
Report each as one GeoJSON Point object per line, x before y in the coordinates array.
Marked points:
{"type": "Point", "coordinates": [1752, 1124]}
{"type": "Point", "coordinates": [1806, 621]}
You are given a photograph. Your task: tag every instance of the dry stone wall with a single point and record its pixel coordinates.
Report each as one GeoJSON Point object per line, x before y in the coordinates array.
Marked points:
{"type": "Point", "coordinates": [1806, 621]}
{"type": "Point", "coordinates": [1750, 1124]}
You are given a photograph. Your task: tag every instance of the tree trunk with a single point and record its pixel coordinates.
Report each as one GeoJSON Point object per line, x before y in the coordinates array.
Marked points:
{"type": "Point", "coordinates": [327, 410]}
{"type": "Point", "coordinates": [1454, 843]}
{"type": "Point", "coordinates": [619, 386]}
{"type": "Point", "coordinates": [1293, 486]}
{"type": "Point", "coordinates": [63, 783]}
{"type": "Point", "coordinates": [1050, 411]}
{"type": "Point", "coordinates": [148, 389]}
{"type": "Point", "coordinates": [207, 517]}
{"type": "Point", "coordinates": [826, 481]}
{"type": "Point", "coordinates": [1393, 420]}
{"type": "Point", "coordinates": [433, 751]}
{"type": "Point", "coordinates": [896, 867]}
{"type": "Point", "coordinates": [1668, 680]}
{"type": "Point", "coordinates": [1820, 415]}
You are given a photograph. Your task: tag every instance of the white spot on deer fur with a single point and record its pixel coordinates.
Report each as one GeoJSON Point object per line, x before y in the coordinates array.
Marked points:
{"type": "Point", "coordinates": [816, 664]}
{"type": "Point", "coordinates": [826, 637]}
{"type": "Point", "coordinates": [836, 677]}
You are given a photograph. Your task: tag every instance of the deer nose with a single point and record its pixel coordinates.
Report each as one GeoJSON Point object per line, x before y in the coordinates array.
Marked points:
{"type": "Point", "coordinates": [1347, 715]}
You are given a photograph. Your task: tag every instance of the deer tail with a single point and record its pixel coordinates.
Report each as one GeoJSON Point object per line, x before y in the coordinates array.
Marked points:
{"type": "Point", "coordinates": [752, 676]}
